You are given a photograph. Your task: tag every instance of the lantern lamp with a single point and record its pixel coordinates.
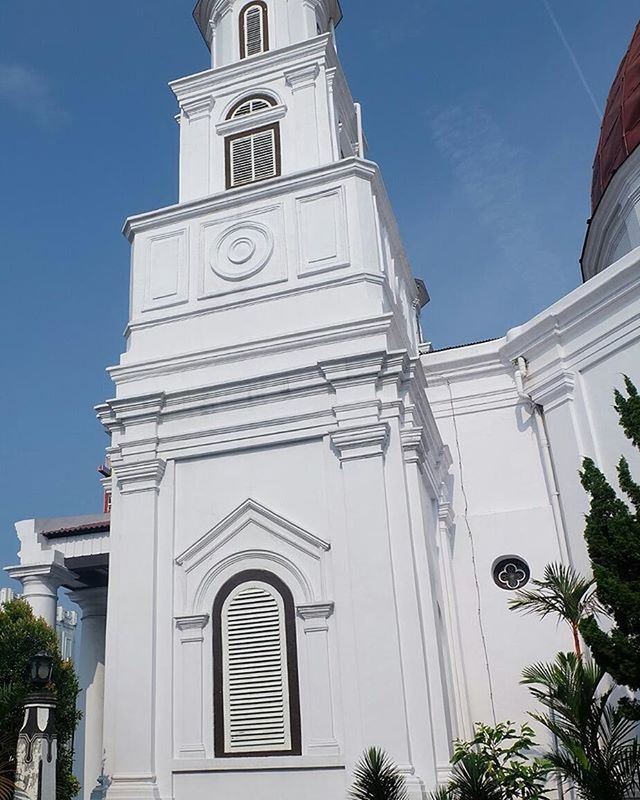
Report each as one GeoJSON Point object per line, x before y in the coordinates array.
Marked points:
{"type": "Point", "coordinates": [41, 670]}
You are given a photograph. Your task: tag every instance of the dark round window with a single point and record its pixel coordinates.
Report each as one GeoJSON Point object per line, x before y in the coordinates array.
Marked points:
{"type": "Point", "coordinates": [511, 573]}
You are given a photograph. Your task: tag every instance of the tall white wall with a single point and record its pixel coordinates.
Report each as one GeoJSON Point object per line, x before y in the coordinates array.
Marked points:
{"type": "Point", "coordinates": [576, 353]}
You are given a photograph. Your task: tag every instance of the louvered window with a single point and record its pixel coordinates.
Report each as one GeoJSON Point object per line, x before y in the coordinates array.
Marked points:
{"type": "Point", "coordinates": [257, 704]}
{"type": "Point", "coordinates": [254, 30]}
{"type": "Point", "coordinates": [250, 106]}
{"type": "Point", "coordinates": [253, 156]}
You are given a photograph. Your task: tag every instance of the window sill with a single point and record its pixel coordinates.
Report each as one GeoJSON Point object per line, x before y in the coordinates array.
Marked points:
{"type": "Point", "coordinates": [258, 764]}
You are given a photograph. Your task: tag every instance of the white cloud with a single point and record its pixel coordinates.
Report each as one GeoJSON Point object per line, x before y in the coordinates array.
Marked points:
{"type": "Point", "coordinates": [29, 92]}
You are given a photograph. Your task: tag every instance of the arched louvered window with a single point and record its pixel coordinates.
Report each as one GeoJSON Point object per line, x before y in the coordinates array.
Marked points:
{"type": "Point", "coordinates": [254, 29]}
{"type": "Point", "coordinates": [253, 155]}
{"type": "Point", "coordinates": [256, 695]}
{"type": "Point", "coordinates": [251, 105]}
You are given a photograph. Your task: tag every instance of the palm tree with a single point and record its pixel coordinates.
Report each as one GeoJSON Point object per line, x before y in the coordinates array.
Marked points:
{"type": "Point", "coordinates": [594, 742]}
{"type": "Point", "coordinates": [563, 593]}
{"type": "Point", "coordinates": [470, 780]}
{"type": "Point", "coordinates": [376, 777]}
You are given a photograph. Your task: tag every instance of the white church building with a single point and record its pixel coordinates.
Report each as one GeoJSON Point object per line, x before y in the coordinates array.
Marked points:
{"type": "Point", "coordinates": [317, 521]}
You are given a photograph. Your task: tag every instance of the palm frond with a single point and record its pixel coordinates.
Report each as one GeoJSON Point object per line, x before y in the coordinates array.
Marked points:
{"type": "Point", "coordinates": [472, 781]}
{"type": "Point", "coordinates": [376, 777]}
{"type": "Point", "coordinates": [562, 592]}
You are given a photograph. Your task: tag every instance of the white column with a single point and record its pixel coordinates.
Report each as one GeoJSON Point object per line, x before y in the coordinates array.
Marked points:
{"type": "Point", "coordinates": [93, 603]}
{"type": "Point", "coordinates": [40, 584]}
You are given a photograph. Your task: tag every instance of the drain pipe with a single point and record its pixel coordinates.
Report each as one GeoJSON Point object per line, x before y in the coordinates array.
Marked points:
{"type": "Point", "coordinates": [537, 414]}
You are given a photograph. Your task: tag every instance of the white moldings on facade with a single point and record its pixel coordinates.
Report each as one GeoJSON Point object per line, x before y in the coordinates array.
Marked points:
{"type": "Point", "coordinates": [139, 476]}
{"type": "Point", "coordinates": [302, 77]}
{"type": "Point", "coordinates": [322, 231]}
{"type": "Point", "coordinates": [361, 443]}
{"type": "Point", "coordinates": [243, 252]}
{"type": "Point", "coordinates": [167, 281]}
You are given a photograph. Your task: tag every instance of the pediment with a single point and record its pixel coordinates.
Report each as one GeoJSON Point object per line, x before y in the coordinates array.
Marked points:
{"type": "Point", "coordinates": [251, 513]}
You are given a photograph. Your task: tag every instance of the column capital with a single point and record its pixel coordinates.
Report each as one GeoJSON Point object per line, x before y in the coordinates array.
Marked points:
{"type": "Point", "coordinates": [414, 445]}
{"type": "Point", "coordinates": [352, 444]}
{"type": "Point", "coordinates": [309, 611]}
{"type": "Point", "coordinates": [139, 476]}
{"type": "Point", "coordinates": [92, 602]}
{"type": "Point", "coordinates": [302, 77]}
{"type": "Point", "coordinates": [48, 574]}
{"type": "Point", "coordinates": [191, 627]}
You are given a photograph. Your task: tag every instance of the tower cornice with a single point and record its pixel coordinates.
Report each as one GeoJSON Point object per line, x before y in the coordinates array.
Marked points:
{"type": "Point", "coordinates": [212, 80]}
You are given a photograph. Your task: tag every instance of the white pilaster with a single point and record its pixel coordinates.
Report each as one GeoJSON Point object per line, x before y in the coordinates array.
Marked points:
{"type": "Point", "coordinates": [130, 735]}
{"type": "Point", "coordinates": [190, 710]}
{"type": "Point", "coordinates": [380, 689]}
{"type": "Point", "coordinates": [320, 735]}
{"type": "Point", "coordinates": [93, 604]}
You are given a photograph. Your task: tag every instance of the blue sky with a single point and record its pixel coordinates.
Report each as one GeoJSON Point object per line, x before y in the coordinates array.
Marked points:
{"type": "Point", "coordinates": [476, 111]}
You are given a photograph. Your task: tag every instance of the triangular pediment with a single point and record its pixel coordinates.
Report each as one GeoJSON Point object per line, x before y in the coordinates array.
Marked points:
{"type": "Point", "coordinates": [251, 513]}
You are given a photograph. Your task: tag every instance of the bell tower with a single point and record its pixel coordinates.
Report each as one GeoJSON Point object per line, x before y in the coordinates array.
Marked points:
{"type": "Point", "coordinates": [279, 513]}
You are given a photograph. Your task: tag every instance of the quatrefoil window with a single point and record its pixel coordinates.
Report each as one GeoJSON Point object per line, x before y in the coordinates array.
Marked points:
{"type": "Point", "coordinates": [511, 574]}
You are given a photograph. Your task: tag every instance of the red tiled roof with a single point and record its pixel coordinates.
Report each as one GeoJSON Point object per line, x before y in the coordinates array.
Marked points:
{"type": "Point", "coordinates": [620, 133]}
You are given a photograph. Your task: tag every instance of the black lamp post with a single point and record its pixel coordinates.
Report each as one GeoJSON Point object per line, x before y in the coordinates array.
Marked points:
{"type": "Point", "coordinates": [37, 748]}
{"type": "Point", "coordinates": [41, 670]}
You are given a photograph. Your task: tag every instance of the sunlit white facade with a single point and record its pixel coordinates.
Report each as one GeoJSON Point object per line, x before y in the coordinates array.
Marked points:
{"type": "Point", "coordinates": [317, 522]}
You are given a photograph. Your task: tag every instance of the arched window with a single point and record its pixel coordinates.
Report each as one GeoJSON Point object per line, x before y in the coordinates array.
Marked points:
{"type": "Point", "coordinates": [254, 29]}
{"type": "Point", "coordinates": [253, 155]}
{"type": "Point", "coordinates": [256, 694]}
{"type": "Point", "coordinates": [251, 105]}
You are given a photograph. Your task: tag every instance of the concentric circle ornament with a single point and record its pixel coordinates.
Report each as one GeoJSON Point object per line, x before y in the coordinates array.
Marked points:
{"type": "Point", "coordinates": [511, 574]}
{"type": "Point", "coordinates": [241, 251]}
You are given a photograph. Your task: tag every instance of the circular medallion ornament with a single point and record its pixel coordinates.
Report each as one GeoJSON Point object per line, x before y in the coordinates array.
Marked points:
{"type": "Point", "coordinates": [511, 573]}
{"type": "Point", "coordinates": [241, 251]}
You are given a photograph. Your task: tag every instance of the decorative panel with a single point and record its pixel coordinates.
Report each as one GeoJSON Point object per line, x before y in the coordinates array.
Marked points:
{"type": "Point", "coordinates": [167, 261]}
{"type": "Point", "coordinates": [323, 231]}
{"type": "Point", "coordinates": [243, 252]}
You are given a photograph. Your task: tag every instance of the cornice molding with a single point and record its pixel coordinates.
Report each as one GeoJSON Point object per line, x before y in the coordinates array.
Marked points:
{"type": "Point", "coordinates": [116, 413]}
{"type": "Point", "coordinates": [319, 49]}
{"type": "Point", "coordinates": [358, 443]}
{"type": "Point", "coordinates": [259, 348]}
{"type": "Point", "coordinates": [241, 196]}
{"type": "Point", "coordinates": [556, 390]}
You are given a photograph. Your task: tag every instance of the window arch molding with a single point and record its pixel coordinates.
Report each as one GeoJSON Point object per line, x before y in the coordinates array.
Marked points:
{"type": "Point", "coordinates": [265, 587]}
{"type": "Point", "coordinates": [254, 28]}
{"type": "Point", "coordinates": [256, 102]}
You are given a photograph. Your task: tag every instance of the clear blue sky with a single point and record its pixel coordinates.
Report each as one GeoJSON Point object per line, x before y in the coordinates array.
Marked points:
{"type": "Point", "coordinates": [475, 110]}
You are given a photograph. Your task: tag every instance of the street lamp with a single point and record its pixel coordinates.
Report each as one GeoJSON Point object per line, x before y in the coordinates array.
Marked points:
{"type": "Point", "coordinates": [41, 670]}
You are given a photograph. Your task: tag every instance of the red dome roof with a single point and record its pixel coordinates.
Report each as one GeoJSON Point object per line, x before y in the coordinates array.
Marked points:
{"type": "Point", "coordinates": [620, 134]}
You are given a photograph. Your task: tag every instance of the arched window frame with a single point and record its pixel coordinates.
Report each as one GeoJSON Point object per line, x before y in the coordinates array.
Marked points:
{"type": "Point", "coordinates": [285, 594]}
{"type": "Point", "coordinates": [267, 132]}
{"type": "Point", "coordinates": [264, 28]}
{"type": "Point", "coordinates": [249, 99]}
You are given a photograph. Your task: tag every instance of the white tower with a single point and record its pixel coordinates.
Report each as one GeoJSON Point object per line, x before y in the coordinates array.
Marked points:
{"type": "Point", "coordinates": [279, 525]}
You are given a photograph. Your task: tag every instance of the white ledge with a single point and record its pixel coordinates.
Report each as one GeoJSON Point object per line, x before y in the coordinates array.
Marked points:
{"type": "Point", "coordinates": [263, 763]}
